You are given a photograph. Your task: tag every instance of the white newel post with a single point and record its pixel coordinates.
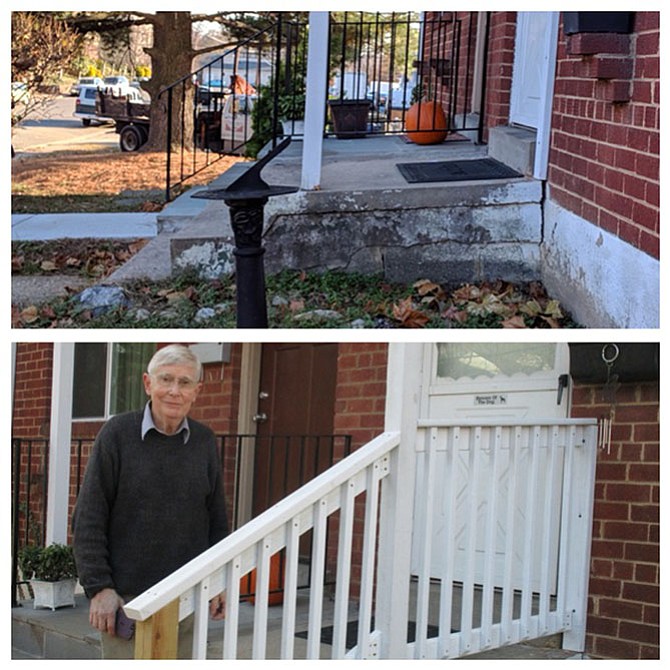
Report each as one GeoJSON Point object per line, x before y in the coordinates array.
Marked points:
{"type": "Point", "coordinates": [315, 100]}
{"type": "Point", "coordinates": [404, 378]}
{"type": "Point", "coordinates": [580, 536]}
{"type": "Point", "coordinates": [58, 492]}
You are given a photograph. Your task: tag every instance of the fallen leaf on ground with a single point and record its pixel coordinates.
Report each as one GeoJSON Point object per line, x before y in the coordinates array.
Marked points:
{"type": "Point", "coordinates": [29, 314]}
{"type": "Point", "coordinates": [409, 317]}
{"type": "Point", "coordinates": [514, 322]}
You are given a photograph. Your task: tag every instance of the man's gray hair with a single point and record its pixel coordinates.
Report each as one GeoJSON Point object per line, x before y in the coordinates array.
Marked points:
{"type": "Point", "coordinates": [175, 354]}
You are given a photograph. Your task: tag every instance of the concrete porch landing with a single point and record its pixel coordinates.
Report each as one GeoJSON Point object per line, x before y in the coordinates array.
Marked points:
{"type": "Point", "coordinates": [66, 634]}
{"type": "Point", "coordinates": [366, 218]}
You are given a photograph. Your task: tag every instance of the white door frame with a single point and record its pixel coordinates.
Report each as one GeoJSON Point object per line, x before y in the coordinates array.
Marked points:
{"type": "Point", "coordinates": [60, 441]}
{"type": "Point", "coordinates": [250, 380]}
{"type": "Point", "coordinates": [543, 134]}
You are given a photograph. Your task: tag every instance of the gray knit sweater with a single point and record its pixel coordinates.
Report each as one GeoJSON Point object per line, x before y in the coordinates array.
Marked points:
{"type": "Point", "coordinates": [146, 507]}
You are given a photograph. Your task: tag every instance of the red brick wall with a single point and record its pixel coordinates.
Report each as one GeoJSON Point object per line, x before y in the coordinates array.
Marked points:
{"type": "Point", "coordinates": [604, 157]}
{"type": "Point", "coordinates": [499, 71]}
{"type": "Point", "coordinates": [438, 42]}
{"type": "Point", "coordinates": [30, 422]}
{"type": "Point", "coordinates": [217, 407]}
{"type": "Point", "coordinates": [623, 615]}
{"type": "Point", "coordinates": [32, 390]}
{"type": "Point", "coordinates": [359, 411]}
{"type": "Point", "coordinates": [217, 403]}
{"type": "Point", "coordinates": [361, 391]}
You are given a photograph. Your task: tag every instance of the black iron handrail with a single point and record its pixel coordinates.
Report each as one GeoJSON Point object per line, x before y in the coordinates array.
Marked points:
{"type": "Point", "coordinates": [216, 135]}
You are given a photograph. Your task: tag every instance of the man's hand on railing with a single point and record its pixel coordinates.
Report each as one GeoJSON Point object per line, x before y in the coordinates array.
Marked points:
{"type": "Point", "coordinates": [217, 607]}
{"type": "Point", "coordinates": [102, 613]}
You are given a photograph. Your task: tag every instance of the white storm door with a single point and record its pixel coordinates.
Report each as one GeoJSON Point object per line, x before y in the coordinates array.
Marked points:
{"type": "Point", "coordinates": [492, 380]}
{"type": "Point", "coordinates": [533, 66]}
{"type": "Point", "coordinates": [489, 383]}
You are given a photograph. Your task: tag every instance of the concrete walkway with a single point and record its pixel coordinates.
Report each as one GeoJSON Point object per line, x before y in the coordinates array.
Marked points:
{"type": "Point", "coordinates": [115, 225]}
{"type": "Point", "coordinates": [348, 164]}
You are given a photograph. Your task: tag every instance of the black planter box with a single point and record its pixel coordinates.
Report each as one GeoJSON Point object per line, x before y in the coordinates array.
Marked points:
{"type": "Point", "coordinates": [350, 117]}
{"type": "Point", "coordinates": [597, 22]}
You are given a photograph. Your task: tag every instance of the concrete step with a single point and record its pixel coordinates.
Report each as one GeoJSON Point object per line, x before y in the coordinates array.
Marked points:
{"type": "Point", "coordinates": [61, 634]}
{"type": "Point", "coordinates": [513, 146]}
{"type": "Point", "coordinates": [366, 219]}
{"type": "Point", "coordinates": [449, 232]}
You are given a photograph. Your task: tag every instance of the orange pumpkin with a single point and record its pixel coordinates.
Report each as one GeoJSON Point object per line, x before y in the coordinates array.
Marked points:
{"type": "Point", "coordinates": [426, 123]}
{"type": "Point", "coordinates": [276, 594]}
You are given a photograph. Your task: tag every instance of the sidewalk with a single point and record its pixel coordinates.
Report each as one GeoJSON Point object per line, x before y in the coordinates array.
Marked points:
{"type": "Point", "coordinates": [116, 225]}
{"type": "Point", "coordinates": [154, 261]}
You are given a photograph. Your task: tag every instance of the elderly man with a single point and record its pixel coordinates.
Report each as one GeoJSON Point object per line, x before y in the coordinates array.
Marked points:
{"type": "Point", "coordinates": [151, 499]}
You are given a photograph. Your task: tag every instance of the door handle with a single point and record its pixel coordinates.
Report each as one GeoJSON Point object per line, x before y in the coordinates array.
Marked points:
{"type": "Point", "coordinates": [260, 418]}
{"type": "Point", "coordinates": [563, 381]}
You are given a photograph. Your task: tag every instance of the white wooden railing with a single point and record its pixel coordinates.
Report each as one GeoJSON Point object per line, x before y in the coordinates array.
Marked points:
{"type": "Point", "coordinates": [503, 532]}
{"type": "Point", "coordinates": [220, 568]}
{"type": "Point", "coordinates": [472, 536]}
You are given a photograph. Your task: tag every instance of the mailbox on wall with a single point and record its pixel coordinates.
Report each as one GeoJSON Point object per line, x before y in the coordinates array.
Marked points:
{"type": "Point", "coordinates": [598, 22]}
{"type": "Point", "coordinates": [630, 361]}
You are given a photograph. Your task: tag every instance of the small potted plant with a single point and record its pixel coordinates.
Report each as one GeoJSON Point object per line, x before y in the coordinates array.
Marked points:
{"type": "Point", "coordinates": [291, 111]}
{"type": "Point", "coordinates": [52, 574]}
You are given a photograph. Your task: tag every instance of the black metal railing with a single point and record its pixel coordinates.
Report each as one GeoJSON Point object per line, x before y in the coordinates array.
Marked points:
{"type": "Point", "coordinates": [234, 103]}
{"type": "Point", "coordinates": [395, 59]}
{"type": "Point", "coordinates": [279, 464]}
{"type": "Point", "coordinates": [253, 93]}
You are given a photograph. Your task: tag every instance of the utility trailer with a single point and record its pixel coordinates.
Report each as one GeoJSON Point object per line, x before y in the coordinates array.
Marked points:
{"type": "Point", "coordinates": [223, 126]}
{"type": "Point", "coordinates": [130, 114]}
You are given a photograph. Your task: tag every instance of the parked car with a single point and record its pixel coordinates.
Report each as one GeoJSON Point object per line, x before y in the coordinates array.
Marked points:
{"type": "Point", "coordinates": [20, 93]}
{"type": "Point", "coordinates": [136, 85]}
{"type": "Point", "coordinates": [116, 85]}
{"type": "Point", "coordinates": [84, 107]}
{"type": "Point", "coordinates": [85, 81]}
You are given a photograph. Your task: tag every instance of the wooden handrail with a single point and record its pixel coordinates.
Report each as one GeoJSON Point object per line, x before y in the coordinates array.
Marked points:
{"type": "Point", "coordinates": [165, 591]}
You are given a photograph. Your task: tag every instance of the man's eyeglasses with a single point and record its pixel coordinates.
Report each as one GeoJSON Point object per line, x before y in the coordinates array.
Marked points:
{"type": "Point", "coordinates": [166, 381]}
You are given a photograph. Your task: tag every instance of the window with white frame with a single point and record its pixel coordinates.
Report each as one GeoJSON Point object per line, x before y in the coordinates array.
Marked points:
{"type": "Point", "coordinates": [108, 378]}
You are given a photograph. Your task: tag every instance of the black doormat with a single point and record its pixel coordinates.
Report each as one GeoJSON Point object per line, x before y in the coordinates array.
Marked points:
{"type": "Point", "coordinates": [352, 633]}
{"type": "Point", "coordinates": [465, 170]}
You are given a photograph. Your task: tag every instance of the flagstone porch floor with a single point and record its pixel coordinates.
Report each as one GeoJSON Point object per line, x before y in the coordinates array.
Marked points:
{"type": "Point", "coordinates": [67, 634]}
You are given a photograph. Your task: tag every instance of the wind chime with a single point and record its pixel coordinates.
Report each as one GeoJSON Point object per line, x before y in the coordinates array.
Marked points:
{"type": "Point", "coordinates": [609, 354]}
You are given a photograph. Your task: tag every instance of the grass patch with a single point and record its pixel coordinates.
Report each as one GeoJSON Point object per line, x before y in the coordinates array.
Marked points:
{"type": "Point", "coordinates": [61, 204]}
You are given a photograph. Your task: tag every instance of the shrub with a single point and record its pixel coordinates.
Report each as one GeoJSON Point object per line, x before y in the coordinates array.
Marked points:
{"type": "Point", "coordinates": [49, 564]}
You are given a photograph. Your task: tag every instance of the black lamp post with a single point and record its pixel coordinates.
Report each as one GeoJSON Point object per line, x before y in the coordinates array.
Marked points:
{"type": "Point", "coordinates": [246, 198]}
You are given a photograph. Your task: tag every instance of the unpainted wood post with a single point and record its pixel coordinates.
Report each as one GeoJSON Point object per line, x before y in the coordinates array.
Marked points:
{"type": "Point", "coordinates": [156, 638]}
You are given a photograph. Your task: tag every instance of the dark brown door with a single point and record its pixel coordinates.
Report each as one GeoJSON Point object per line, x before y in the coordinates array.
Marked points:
{"type": "Point", "coordinates": [295, 418]}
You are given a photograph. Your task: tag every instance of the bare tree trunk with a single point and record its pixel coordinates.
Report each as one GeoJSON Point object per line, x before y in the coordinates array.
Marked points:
{"type": "Point", "coordinates": [171, 59]}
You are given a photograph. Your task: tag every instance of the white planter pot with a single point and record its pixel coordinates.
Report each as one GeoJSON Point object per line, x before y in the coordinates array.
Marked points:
{"type": "Point", "coordinates": [53, 594]}
{"type": "Point", "coordinates": [293, 127]}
